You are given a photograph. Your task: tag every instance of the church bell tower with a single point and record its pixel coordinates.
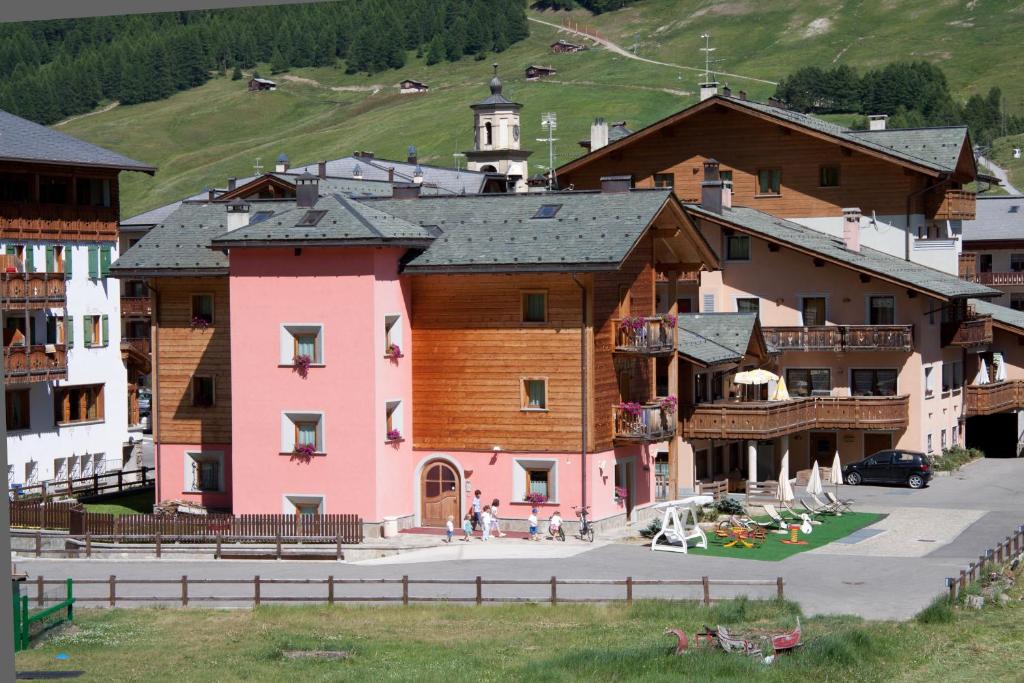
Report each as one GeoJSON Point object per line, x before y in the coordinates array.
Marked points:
{"type": "Point", "coordinates": [496, 138]}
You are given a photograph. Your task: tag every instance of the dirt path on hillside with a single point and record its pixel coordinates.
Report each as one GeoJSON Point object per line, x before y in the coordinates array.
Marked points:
{"type": "Point", "coordinates": [612, 47]}
{"type": "Point", "coordinates": [372, 89]}
{"type": "Point", "coordinates": [88, 113]}
{"type": "Point", "coordinates": [999, 172]}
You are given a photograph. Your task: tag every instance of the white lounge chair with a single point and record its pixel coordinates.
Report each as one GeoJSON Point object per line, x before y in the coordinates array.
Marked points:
{"type": "Point", "coordinates": [843, 505]}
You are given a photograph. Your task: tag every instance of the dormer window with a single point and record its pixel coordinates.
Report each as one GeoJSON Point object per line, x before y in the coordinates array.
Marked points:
{"type": "Point", "coordinates": [547, 211]}
{"type": "Point", "coordinates": [310, 219]}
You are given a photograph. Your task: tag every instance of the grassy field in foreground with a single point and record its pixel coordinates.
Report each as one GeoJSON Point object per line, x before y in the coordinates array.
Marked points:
{"type": "Point", "coordinates": [130, 504]}
{"type": "Point", "coordinates": [773, 549]}
{"type": "Point", "coordinates": [523, 643]}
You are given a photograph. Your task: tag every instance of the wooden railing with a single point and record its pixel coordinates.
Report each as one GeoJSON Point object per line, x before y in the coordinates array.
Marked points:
{"type": "Point", "coordinates": [995, 397]}
{"type": "Point", "coordinates": [32, 290]}
{"type": "Point", "coordinates": [770, 419]}
{"type": "Point", "coordinates": [42, 514]}
{"type": "Point", "coordinates": [20, 220]}
{"type": "Point", "coordinates": [644, 335]}
{"type": "Point", "coordinates": [716, 489]}
{"type": "Point", "coordinates": [1012, 277]}
{"type": "Point", "coordinates": [760, 492]}
{"type": "Point", "coordinates": [841, 338]}
{"type": "Point", "coordinates": [136, 306]}
{"type": "Point", "coordinates": [34, 363]}
{"type": "Point", "coordinates": [139, 344]}
{"type": "Point", "coordinates": [969, 265]}
{"type": "Point", "coordinates": [952, 205]}
{"type": "Point", "coordinates": [648, 424]}
{"type": "Point", "coordinates": [227, 527]}
{"type": "Point", "coordinates": [93, 484]}
{"type": "Point", "coordinates": [974, 331]}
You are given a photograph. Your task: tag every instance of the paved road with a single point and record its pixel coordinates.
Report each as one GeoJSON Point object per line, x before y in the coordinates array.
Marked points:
{"type": "Point", "coordinates": [999, 172]}
{"type": "Point", "coordinates": [929, 535]}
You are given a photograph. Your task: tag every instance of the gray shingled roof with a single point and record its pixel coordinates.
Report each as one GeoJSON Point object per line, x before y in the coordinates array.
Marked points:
{"type": "Point", "coordinates": [445, 180]}
{"type": "Point", "coordinates": [886, 266]}
{"type": "Point", "coordinates": [997, 218]}
{"type": "Point", "coordinates": [713, 338]}
{"type": "Point", "coordinates": [23, 140]}
{"type": "Point", "coordinates": [1002, 314]}
{"type": "Point", "coordinates": [591, 231]}
{"type": "Point", "coordinates": [181, 242]}
{"type": "Point", "coordinates": [346, 221]}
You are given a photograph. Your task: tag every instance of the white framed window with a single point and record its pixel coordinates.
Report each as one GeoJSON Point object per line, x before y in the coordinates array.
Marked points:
{"type": "Point", "coordinates": [394, 425]}
{"type": "Point", "coordinates": [302, 429]}
{"type": "Point", "coordinates": [204, 471]}
{"type": "Point", "coordinates": [75, 467]}
{"type": "Point", "coordinates": [929, 380]}
{"type": "Point", "coordinates": [60, 468]}
{"type": "Point", "coordinates": [87, 465]}
{"type": "Point", "coordinates": [393, 335]}
{"type": "Point", "coordinates": [301, 339]}
{"type": "Point", "coordinates": [942, 436]}
{"type": "Point", "coordinates": [534, 393]}
{"type": "Point", "coordinates": [955, 430]}
{"type": "Point", "coordinates": [303, 504]}
{"type": "Point", "coordinates": [31, 472]}
{"type": "Point", "coordinates": [929, 443]}
{"type": "Point", "coordinates": [539, 476]}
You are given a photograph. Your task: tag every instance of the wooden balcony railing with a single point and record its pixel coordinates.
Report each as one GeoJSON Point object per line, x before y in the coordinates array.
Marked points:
{"type": "Point", "coordinates": [644, 335]}
{"type": "Point", "coordinates": [968, 266]}
{"type": "Point", "coordinates": [841, 338]}
{"type": "Point", "coordinates": [1001, 279]}
{"type": "Point", "coordinates": [647, 423]}
{"type": "Point", "coordinates": [20, 220]}
{"type": "Point", "coordinates": [771, 419]}
{"type": "Point", "coordinates": [138, 344]}
{"type": "Point", "coordinates": [36, 363]}
{"type": "Point", "coordinates": [19, 291]}
{"type": "Point", "coordinates": [952, 205]}
{"type": "Point", "coordinates": [976, 330]}
{"type": "Point", "coordinates": [995, 397]}
{"type": "Point", "coordinates": [137, 306]}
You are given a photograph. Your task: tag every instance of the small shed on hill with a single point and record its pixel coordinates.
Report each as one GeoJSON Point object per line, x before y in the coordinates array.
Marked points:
{"type": "Point", "coordinates": [534, 72]}
{"type": "Point", "coordinates": [565, 46]}
{"type": "Point", "coordinates": [259, 84]}
{"type": "Point", "coordinates": [409, 86]}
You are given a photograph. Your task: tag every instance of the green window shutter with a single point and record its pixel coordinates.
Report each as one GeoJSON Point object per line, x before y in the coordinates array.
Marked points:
{"type": "Point", "coordinates": [87, 330]}
{"type": "Point", "coordinates": [49, 258]}
{"type": "Point", "coordinates": [104, 261]}
{"type": "Point", "coordinates": [94, 262]}
{"type": "Point", "coordinates": [30, 260]}
{"type": "Point", "coordinates": [106, 330]}
{"type": "Point", "coordinates": [10, 250]}
{"type": "Point", "coordinates": [69, 331]}
{"type": "Point", "coordinates": [67, 261]}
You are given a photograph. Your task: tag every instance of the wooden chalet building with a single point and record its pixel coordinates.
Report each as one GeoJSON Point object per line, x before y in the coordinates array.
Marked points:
{"type": "Point", "coordinates": [993, 248]}
{"type": "Point", "coordinates": [564, 46]}
{"type": "Point", "coordinates": [535, 73]}
{"type": "Point", "coordinates": [261, 85]}
{"type": "Point", "coordinates": [409, 87]}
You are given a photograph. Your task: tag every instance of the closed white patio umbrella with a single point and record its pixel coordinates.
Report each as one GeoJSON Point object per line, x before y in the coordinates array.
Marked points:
{"type": "Point", "coordinates": [785, 489]}
{"type": "Point", "coordinates": [757, 376]}
{"type": "Point", "coordinates": [997, 360]}
{"type": "Point", "coordinates": [781, 391]}
{"type": "Point", "coordinates": [982, 376]}
{"type": "Point", "coordinates": [836, 476]}
{"type": "Point", "coordinates": [814, 486]}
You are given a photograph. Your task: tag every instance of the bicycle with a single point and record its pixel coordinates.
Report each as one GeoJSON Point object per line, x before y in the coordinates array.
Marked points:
{"type": "Point", "coordinates": [586, 530]}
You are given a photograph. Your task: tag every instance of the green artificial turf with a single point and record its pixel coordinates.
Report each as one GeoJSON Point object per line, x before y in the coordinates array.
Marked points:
{"type": "Point", "coordinates": [773, 549]}
{"type": "Point", "coordinates": [129, 504]}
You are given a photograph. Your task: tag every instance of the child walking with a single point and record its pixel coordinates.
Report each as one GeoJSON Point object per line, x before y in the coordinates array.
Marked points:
{"type": "Point", "coordinates": [495, 524]}
{"type": "Point", "coordinates": [485, 522]}
{"type": "Point", "coordinates": [449, 528]}
{"type": "Point", "coordinates": [532, 519]}
{"type": "Point", "coordinates": [467, 526]}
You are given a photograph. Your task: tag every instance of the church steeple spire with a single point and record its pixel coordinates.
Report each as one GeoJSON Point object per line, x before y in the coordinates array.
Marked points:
{"type": "Point", "coordinates": [497, 136]}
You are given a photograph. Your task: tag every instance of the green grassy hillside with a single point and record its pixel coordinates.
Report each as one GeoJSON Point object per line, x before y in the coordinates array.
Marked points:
{"type": "Point", "coordinates": [200, 137]}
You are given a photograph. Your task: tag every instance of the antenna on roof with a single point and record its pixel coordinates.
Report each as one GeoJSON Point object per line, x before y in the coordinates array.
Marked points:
{"type": "Point", "coordinates": [708, 85]}
{"type": "Point", "coordinates": [258, 167]}
{"type": "Point", "coordinates": [549, 122]}
{"type": "Point", "coordinates": [457, 156]}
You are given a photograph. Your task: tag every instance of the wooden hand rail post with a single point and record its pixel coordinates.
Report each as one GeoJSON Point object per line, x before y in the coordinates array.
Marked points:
{"type": "Point", "coordinates": [39, 590]}
{"type": "Point", "coordinates": [340, 556]}
{"type": "Point", "coordinates": [120, 481]}
{"type": "Point", "coordinates": [113, 591]}
{"type": "Point", "coordinates": [629, 590]}
{"type": "Point", "coordinates": [88, 544]}
{"type": "Point", "coordinates": [184, 590]}
{"type": "Point", "coordinates": [405, 590]}
{"type": "Point", "coordinates": [779, 583]}
{"type": "Point", "coordinates": [554, 590]}
{"type": "Point", "coordinates": [479, 591]}
{"type": "Point", "coordinates": [157, 541]}
{"type": "Point", "coordinates": [256, 591]}
{"type": "Point", "coordinates": [707, 590]}
{"type": "Point", "coordinates": [39, 543]}
{"type": "Point", "coordinates": [277, 536]}
{"type": "Point", "coordinates": [330, 590]}
{"type": "Point", "coordinates": [216, 554]}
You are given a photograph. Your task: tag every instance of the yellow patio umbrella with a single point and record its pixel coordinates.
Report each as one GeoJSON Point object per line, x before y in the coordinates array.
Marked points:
{"type": "Point", "coordinates": [756, 376]}
{"type": "Point", "coordinates": [781, 392]}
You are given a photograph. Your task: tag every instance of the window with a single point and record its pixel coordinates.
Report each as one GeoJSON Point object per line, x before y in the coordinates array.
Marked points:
{"type": "Point", "coordinates": [828, 176]}
{"type": "Point", "coordinates": [809, 381]}
{"type": "Point", "coordinates": [31, 472]}
{"type": "Point", "coordinates": [726, 177]}
{"type": "Point", "coordinates": [881, 310]}
{"type": "Point", "coordinates": [393, 422]}
{"type": "Point", "coordinates": [1017, 262]}
{"type": "Point", "coordinates": [78, 404]}
{"type": "Point", "coordinates": [942, 437]}
{"type": "Point", "coordinates": [202, 308]}
{"type": "Point", "coordinates": [310, 218]}
{"type": "Point", "coordinates": [534, 476]}
{"type": "Point", "coordinates": [1017, 302]}
{"type": "Point", "coordinates": [701, 388]}
{"type": "Point", "coordinates": [54, 259]}
{"type": "Point", "coordinates": [737, 248]}
{"type": "Point", "coordinates": [748, 305]}
{"type": "Point", "coordinates": [60, 468]}
{"type": "Point", "coordinates": [93, 192]}
{"type": "Point", "coordinates": [955, 431]}
{"type": "Point", "coordinates": [930, 443]}
{"type": "Point", "coordinates": [952, 376]}
{"type": "Point", "coordinates": [870, 382]}
{"type": "Point", "coordinates": [708, 303]}
{"type": "Point", "coordinates": [302, 429]}
{"type": "Point", "coordinates": [984, 263]}
{"type": "Point", "coordinates": [392, 335]}
{"type": "Point", "coordinates": [665, 180]}
{"type": "Point", "coordinates": [204, 471]}
{"type": "Point", "coordinates": [18, 414]}
{"type": "Point", "coordinates": [535, 394]}
{"type": "Point", "coordinates": [301, 340]}
{"type": "Point", "coordinates": [54, 189]}
{"type": "Point", "coordinates": [488, 133]}
{"type": "Point", "coordinates": [15, 187]}
{"type": "Point", "coordinates": [202, 391]}
{"type": "Point", "coordinates": [96, 330]}
{"type": "Point", "coordinates": [537, 482]}
{"type": "Point", "coordinates": [929, 383]}
{"type": "Point", "coordinates": [769, 182]}
{"type": "Point", "coordinates": [547, 211]}
{"type": "Point", "coordinates": [814, 310]}
{"type": "Point", "coordinates": [304, 505]}
{"type": "Point", "coordinates": [535, 307]}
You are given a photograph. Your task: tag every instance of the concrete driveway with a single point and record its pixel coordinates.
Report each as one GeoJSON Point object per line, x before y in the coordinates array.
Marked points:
{"type": "Point", "coordinates": [930, 534]}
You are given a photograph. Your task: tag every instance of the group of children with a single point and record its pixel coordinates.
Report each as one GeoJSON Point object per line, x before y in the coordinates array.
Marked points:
{"type": "Point", "coordinates": [486, 518]}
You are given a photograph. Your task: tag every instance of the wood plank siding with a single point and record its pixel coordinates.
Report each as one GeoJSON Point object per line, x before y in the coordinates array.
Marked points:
{"type": "Point", "coordinates": [744, 144]}
{"type": "Point", "coordinates": [73, 219]}
{"type": "Point", "coordinates": [179, 352]}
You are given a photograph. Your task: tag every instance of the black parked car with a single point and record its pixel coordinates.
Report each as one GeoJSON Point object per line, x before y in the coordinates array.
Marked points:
{"type": "Point", "coordinates": [890, 467]}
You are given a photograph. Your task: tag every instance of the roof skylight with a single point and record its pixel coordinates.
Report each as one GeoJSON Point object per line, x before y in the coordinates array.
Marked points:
{"type": "Point", "coordinates": [547, 211]}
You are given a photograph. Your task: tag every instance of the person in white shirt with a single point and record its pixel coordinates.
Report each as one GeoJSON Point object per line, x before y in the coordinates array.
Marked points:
{"type": "Point", "coordinates": [449, 528]}
{"type": "Point", "coordinates": [532, 519]}
{"type": "Point", "coordinates": [476, 509]}
{"type": "Point", "coordinates": [485, 522]}
{"type": "Point", "coordinates": [495, 522]}
{"type": "Point", "coordinates": [554, 524]}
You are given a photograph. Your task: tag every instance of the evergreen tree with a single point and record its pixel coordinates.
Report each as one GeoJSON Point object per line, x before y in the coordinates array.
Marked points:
{"type": "Point", "coordinates": [436, 50]}
{"type": "Point", "coordinates": [236, 75]}
{"type": "Point", "coordinates": [277, 62]}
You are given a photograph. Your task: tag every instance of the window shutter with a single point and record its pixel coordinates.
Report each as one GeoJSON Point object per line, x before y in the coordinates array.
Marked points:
{"type": "Point", "coordinates": [30, 261]}
{"type": "Point", "coordinates": [106, 330]}
{"type": "Point", "coordinates": [104, 261]}
{"type": "Point", "coordinates": [10, 250]}
{"type": "Point", "coordinates": [49, 258]}
{"type": "Point", "coordinates": [87, 330]}
{"type": "Point", "coordinates": [67, 260]}
{"type": "Point", "coordinates": [69, 331]}
{"type": "Point", "coordinates": [94, 262]}
{"type": "Point", "coordinates": [709, 303]}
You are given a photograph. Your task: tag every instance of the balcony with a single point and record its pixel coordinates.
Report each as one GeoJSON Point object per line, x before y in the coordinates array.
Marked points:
{"type": "Point", "coordinates": [968, 266]}
{"type": "Point", "coordinates": [975, 330]}
{"type": "Point", "coordinates": [996, 397]}
{"type": "Point", "coordinates": [36, 363]}
{"type": "Point", "coordinates": [770, 419]}
{"type": "Point", "coordinates": [135, 353]}
{"type": "Point", "coordinates": [842, 338]}
{"type": "Point", "coordinates": [28, 220]}
{"type": "Point", "coordinates": [643, 423]}
{"type": "Point", "coordinates": [136, 306]}
{"type": "Point", "coordinates": [651, 336]}
{"type": "Point", "coordinates": [952, 205]}
{"type": "Point", "coordinates": [1001, 279]}
{"type": "Point", "coordinates": [20, 291]}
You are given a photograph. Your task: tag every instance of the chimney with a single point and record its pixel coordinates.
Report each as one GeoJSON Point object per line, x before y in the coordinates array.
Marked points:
{"type": "Point", "coordinates": [851, 229]}
{"type": "Point", "coordinates": [776, 102]}
{"type": "Point", "coordinates": [711, 198]}
{"type": "Point", "coordinates": [598, 134]}
{"type": "Point", "coordinates": [743, 95]}
{"type": "Point", "coordinates": [391, 174]}
{"type": "Point", "coordinates": [211, 194]}
{"type": "Point", "coordinates": [363, 155]}
{"type": "Point", "coordinates": [411, 155]}
{"type": "Point", "coordinates": [708, 90]}
{"type": "Point", "coordinates": [282, 163]}
{"type": "Point", "coordinates": [238, 214]}
{"type": "Point", "coordinates": [232, 183]}
{"type": "Point", "coordinates": [726, 91]}
{"type": "Point", "coordinates": [405, 191]}
{"type": "Point", "coordinates": [307, 190]}
{"type": "Point", "coordinates": [616, 183]}
{"type": "Point", "coordinates": [321, 169]}
{"type": "Point", "coordinates": [877, 121]}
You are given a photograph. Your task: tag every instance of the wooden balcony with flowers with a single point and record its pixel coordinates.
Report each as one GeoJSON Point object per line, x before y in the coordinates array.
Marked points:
{"type": "Point", "coordinates": [646, 422]}
{"type": "Point", "coordinates": [22, 291]}
{"type": "Point", "coordinates": [35, 363]}
{"type": "Point", "coordinates": [841, 338]}
{"type": "Point", "coordinates": [994, 397]}
{"type": "Point", "coordinates": [970, 331]}
{"type": "Point", "coordinates": [136, 306]}
{"type": "Point", "coordinates": [646, 335]}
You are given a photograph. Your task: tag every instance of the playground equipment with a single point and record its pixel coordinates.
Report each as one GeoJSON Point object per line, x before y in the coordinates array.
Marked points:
{"type": "Point", "coordinates": [679, 531]}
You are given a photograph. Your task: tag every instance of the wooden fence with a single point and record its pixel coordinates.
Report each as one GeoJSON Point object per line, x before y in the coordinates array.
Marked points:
{"type": "Point", "coordinates": [716, 489]}
{"type": "Point", "coordinates": [331, 595]}
{"type": "Point", "coordinates": [228, 527]}
{"type": "Point", "coordinates": [1005, 550]}
{"type": "Point", "coordinates": [42, 514]}
{"type": "Point", "coordinates": [94, 484]}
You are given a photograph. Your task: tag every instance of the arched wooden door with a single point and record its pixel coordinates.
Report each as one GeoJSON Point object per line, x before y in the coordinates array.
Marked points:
{"type": "Point", "coordinates": [439, 493]}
